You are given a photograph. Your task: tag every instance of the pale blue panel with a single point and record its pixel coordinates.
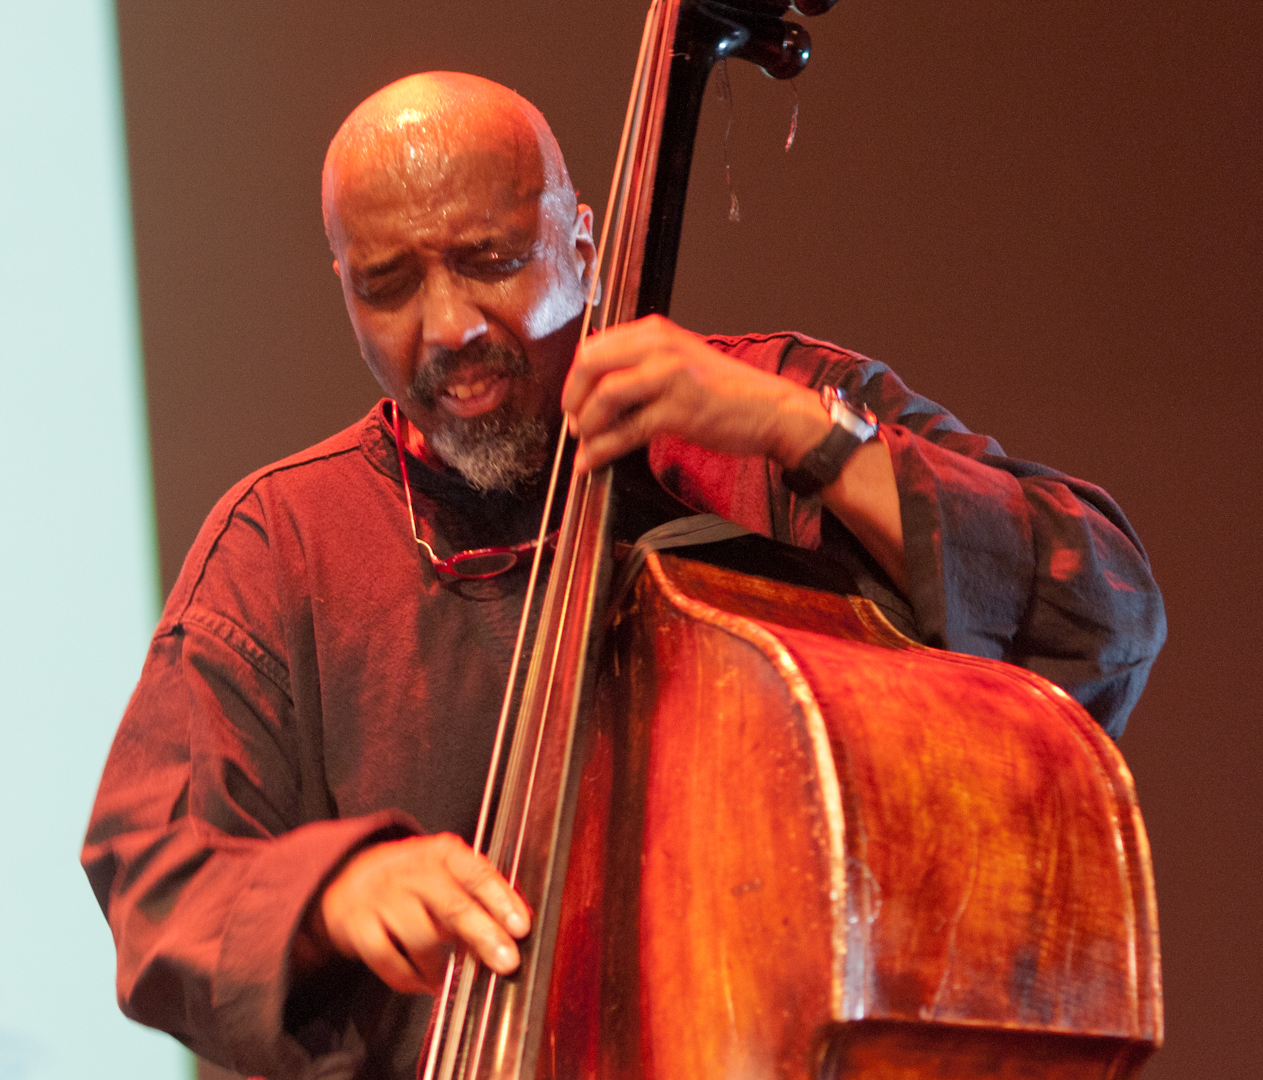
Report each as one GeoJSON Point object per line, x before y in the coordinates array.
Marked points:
{"type": "Point", "coordinates": [77, 580]}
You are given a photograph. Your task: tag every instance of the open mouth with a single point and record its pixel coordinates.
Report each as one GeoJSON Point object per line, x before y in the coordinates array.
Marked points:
{"type": "Point", "coordinates": [468, 396]}
{"type": "Point", "coordinates": [470, 381]}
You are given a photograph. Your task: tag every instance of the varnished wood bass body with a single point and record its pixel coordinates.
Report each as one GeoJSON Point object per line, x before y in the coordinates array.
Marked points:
{"type": "Point", "coordinates": [807, 846]}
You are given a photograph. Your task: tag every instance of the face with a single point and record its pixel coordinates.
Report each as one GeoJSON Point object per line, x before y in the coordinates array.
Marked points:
{"type": "Point", "coordinates": [465, 283]}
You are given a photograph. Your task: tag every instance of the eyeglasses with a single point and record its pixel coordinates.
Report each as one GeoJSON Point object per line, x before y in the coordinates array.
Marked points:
{"type": "Point", "coordinates": [479, 563]}
{"type": "Point", "coordinates": [476, 564]}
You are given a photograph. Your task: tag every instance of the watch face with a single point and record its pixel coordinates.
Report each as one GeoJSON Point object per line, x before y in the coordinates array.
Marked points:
{"type": "Point", "coordinates": [860, 423]}
{"type": "Point", "coordinates": [831, 398]}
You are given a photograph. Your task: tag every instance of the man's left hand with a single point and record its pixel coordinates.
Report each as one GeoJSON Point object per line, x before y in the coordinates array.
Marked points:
{"type": "Point", "coordinates": [651, 377]}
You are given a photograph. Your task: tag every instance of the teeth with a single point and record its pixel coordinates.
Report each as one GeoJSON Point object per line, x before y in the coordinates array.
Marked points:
{"type": "Point", "coordinates": [462, 391]}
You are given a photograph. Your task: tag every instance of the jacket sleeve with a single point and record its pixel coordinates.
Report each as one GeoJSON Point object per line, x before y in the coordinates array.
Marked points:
{"type": "Point", "coordinates": [207, 842]}
{"type": "Point", "coordinates": [1014, 561]}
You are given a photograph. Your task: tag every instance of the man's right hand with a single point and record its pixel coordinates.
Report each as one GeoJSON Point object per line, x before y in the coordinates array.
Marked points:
{"type": "Point", "coordinates": [398, 906]}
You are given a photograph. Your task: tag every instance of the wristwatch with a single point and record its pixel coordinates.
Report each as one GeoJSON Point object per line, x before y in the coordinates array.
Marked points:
{"type": "Point", "coordinates": [852, 428]}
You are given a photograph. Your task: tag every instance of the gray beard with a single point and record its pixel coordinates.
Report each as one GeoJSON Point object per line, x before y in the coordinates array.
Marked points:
{"type": "Point", "coordinates": [494, 452]}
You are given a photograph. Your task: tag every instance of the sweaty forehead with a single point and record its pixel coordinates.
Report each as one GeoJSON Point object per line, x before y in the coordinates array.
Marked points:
{"type": "Point", "coordinates": [434, 153]}
{"type": "Point", "coordinates": [484, 158]}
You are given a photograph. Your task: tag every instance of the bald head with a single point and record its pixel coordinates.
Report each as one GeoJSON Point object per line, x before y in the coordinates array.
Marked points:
{"type": "Point", "coordinates": [424, 129]}
{"type": "Point", "coordinates": [465, 262]}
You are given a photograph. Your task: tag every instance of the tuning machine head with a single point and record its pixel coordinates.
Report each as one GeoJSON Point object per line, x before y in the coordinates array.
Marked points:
{"type": "Point", "coordinates": [780, 48]}
{"type": "Point", "coordinates": [812, 7]}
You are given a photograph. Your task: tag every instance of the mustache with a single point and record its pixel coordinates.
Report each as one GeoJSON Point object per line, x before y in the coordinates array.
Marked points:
{"type": "Point", "coordinates": [491, 358]}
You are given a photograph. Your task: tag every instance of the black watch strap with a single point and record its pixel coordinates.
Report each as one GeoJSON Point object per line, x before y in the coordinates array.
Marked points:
{"type": "Point", "coordinates": [851, 430]}
{"type": "Point", "coordinates": [822, 465]}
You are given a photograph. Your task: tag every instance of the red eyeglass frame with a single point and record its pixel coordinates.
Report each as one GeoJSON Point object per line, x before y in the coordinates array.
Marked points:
{"type": "Point", "coordinates": [448, 568]}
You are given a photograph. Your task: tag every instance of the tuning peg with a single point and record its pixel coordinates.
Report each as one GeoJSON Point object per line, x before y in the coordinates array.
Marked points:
{"type": "Point", "coordinates": [781, 49]}
{"type": "Point", "coordinates": [812, 7]}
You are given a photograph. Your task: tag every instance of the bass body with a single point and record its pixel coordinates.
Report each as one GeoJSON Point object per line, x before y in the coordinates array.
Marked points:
{"type": "Point", "coordinates": [805, 845]}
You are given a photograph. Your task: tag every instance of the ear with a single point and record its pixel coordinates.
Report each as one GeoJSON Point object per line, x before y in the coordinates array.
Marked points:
{"type": "Point", "coordinates": [585, 252]}
{"type": "Point", "coordinates": [337, 269]}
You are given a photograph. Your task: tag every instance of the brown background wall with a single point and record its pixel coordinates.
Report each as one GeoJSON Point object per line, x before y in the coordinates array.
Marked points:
{"type": "Point", "coordinates": [1043, 214]}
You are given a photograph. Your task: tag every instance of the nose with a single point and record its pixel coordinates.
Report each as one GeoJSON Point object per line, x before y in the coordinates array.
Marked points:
{"type": "Point", "coordinates": [448, 316]}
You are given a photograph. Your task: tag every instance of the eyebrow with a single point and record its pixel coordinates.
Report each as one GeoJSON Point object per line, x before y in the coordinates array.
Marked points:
{"type": "Point", "coordinates": [513, 239]}
{"type": "Point", "coordinates": [382, 268]}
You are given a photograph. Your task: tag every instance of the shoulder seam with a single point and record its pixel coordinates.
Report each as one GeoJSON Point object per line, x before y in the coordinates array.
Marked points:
{"type": "Point", "coordinates": [247, 485]}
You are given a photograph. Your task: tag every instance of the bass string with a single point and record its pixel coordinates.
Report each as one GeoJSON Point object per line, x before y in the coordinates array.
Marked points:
{"type": "Point", "coordinates": [631, 121]}
{"type": "Point", "coordinates": [621, 178]}
{"type": "Point", "coordinates": [541, 711]}
{"type": "Point", "coordinates": [656, 51]}
{"type": "Point", "coordinates": [532, 705]}
{"type": "Point", "coordinates": [656, 90]}
{"type": "Point", "coordinates": [567, 596]}
{"type": "Point", "coordinates": [568, 529]}
{"type": "Point", "coordinates": [440, 1026]}
{"type": "Point", "coordinates": [451, 1034]}
{"type": "Point", "coordinates": [577, 512]}
{"type": "Point", "coordinates": [629, 201]}
{"type": "Point", "coordinates": [584, 502]}
{"type": "Point", "coordinates": [434, 1035]}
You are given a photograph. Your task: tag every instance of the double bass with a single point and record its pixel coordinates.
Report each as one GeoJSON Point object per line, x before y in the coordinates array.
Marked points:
{"type": "Point", "coordinates": [763, 833]}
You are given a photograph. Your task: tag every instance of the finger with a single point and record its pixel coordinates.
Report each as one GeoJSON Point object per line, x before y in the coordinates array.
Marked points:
{"type": "Point", "coordinates": [384, 957]}
{"type": "Point", "coordinates": [423, 891]}
{"type": "Point", "coordinates": [455, 914]}
{"type": "Point", "coordinates": [418, 940]}
{"type": "Point", "coordinates": [476, 874]}
{"type": "Point", "coordinates": [589, 367]}
{"type": "Point", "coordinates": [605, 448]}
{"type": "Point", "coordinates": [632, 432]}
{"type": "Point", "coordinates": [623, 346]}
{"type": "Point", "coordinates": [622, 393]}
{"type": "Point", "coordinates": [435, 863]}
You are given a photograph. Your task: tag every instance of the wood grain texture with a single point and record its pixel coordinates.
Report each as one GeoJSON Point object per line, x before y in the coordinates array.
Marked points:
{"type": "Point", "coordinates": [807, 846]}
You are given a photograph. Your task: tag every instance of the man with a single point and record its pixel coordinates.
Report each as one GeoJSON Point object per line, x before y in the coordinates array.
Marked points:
{"type": "Point", "coordinates": [278, 836]}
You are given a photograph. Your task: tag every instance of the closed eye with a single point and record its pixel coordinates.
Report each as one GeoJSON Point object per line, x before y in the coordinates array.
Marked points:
{"type": "Point", "coordinates": [388, 284]}
{"type": "Point", "coordinates": [488, 262]}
